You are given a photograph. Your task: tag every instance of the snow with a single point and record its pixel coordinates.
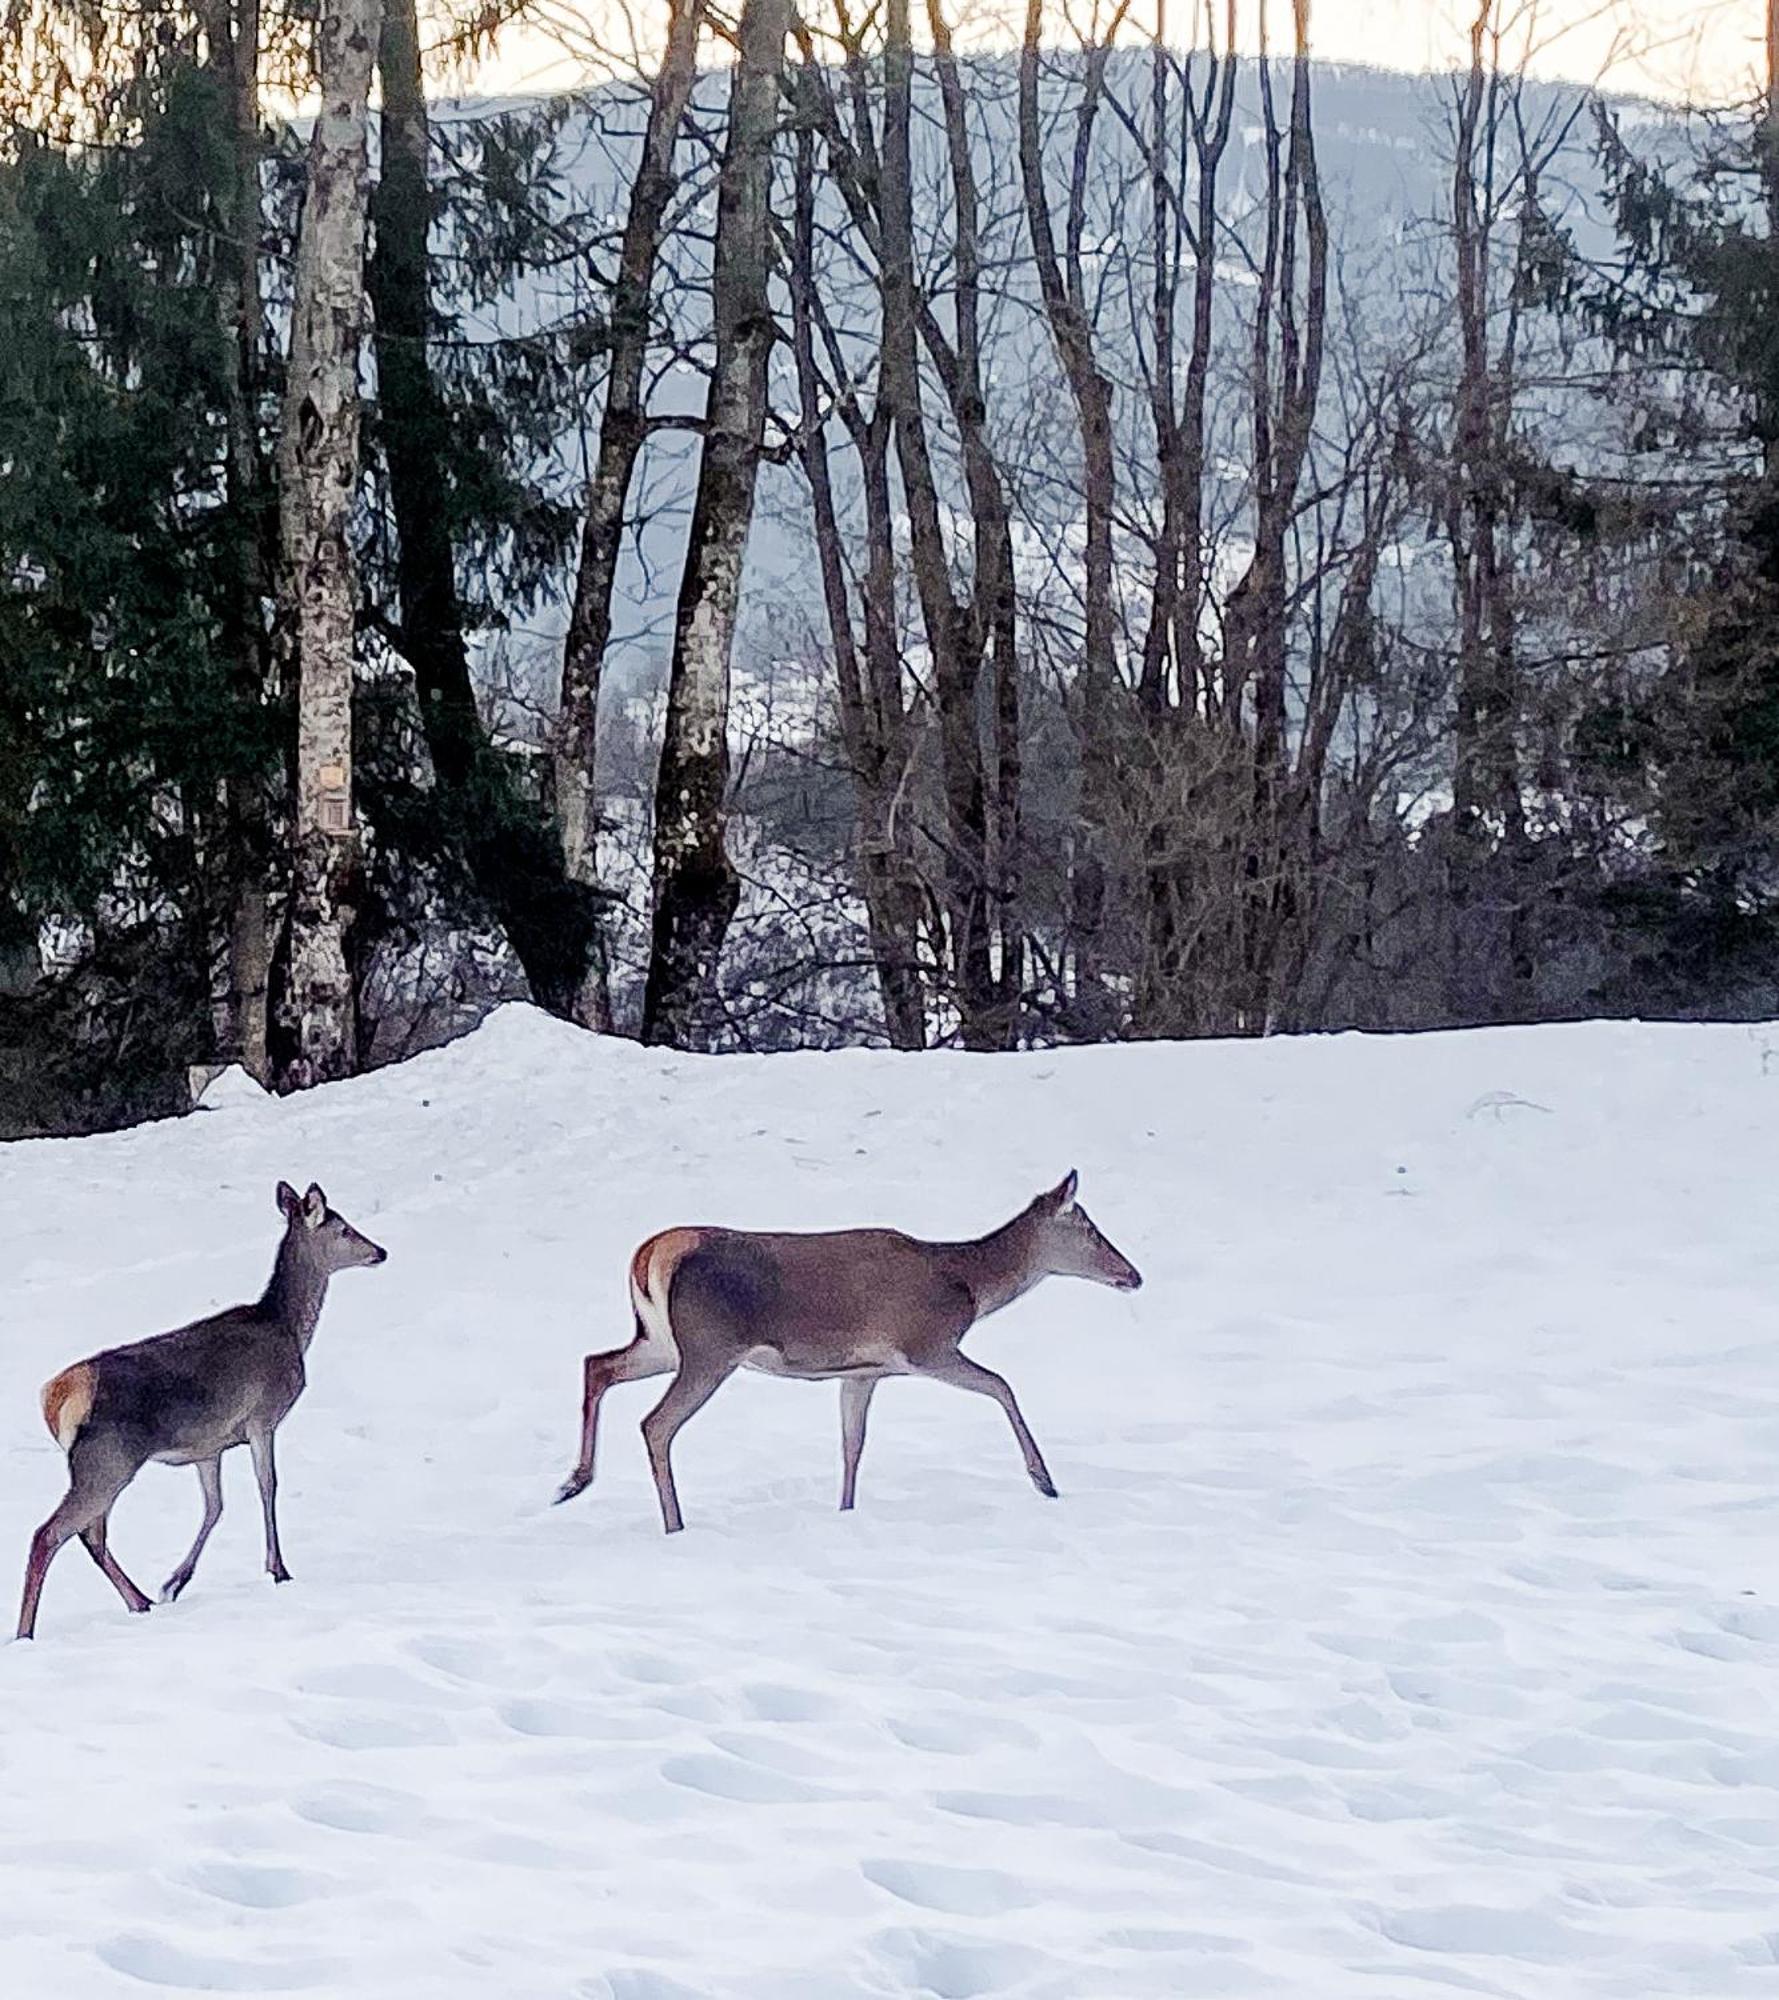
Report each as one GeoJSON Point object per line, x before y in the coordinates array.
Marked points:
{"type": "Point", "coordinates": [231, 1087]}
{"type": "Point", "coordinates": [1408, 1625]}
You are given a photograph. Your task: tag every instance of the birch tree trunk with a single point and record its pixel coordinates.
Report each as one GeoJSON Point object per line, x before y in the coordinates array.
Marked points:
{"type": "Point", "coordinates": [696, 887]}
{"type": "Point", "coordinates": [621, 431]}
{"type": "Point", "coordinates": [318, 454]}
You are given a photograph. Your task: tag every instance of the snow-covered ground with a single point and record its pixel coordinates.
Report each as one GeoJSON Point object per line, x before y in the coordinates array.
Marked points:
{"type": "Point", "coordinates": [1408, 1626]}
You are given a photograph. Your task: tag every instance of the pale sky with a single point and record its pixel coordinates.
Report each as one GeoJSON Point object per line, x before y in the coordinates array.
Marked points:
{"type": "Point", "coordinates": [1696, 50]}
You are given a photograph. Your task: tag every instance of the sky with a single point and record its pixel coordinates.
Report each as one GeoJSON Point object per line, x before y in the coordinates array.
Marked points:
{"type": "Point", "coordinates": [1689, 50]}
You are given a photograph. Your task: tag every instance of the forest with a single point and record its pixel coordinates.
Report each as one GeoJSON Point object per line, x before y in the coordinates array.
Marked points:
{"type": "Point", "coordinates": [859, 527]}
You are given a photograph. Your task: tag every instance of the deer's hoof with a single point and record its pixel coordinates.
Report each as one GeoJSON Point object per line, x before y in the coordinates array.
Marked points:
{"type": "Point", "coordinates": [172, 1587]}
{"type": "Point", "coordinates": [1045, 1485]}
{"type": "Point", "coordinates": [279, 1575]}
{"type": "Point", "coordinates": [572, 1485]}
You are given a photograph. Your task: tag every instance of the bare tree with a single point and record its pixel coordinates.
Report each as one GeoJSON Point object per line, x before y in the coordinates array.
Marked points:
{"type": "Point", "coordinates": [873, 718]}
{"type": "Point", "coordinates": [696, 887]}
{"type": "Point", "coordinates": [1287, 336]}
{"type": "Point", "coordinates": [622, 429]}
{"type": "Point", "coordinates": [1070, 316]}
{"type": "Point", "coordinates": [318, 456]}
{"type": "Point", "coordinates": [1175, 687]}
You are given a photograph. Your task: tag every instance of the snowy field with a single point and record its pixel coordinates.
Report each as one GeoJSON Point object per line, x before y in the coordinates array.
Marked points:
{"type": "Point", "coordinates": [1408, 1626]}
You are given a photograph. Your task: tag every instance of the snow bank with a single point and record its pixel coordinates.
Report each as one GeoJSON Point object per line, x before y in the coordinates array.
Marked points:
{"type": "Point", "coordinates": [1407, 1625]}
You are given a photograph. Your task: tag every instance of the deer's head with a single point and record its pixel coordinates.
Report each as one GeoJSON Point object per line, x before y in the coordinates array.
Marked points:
{"type": "Point", "coordinates": [326, 1238]}
{"type": "Point", "coordinates": [1069, 1245]}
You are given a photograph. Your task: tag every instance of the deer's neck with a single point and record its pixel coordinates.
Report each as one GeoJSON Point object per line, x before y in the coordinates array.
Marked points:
{"type": "Point", "coordinates": [1000, 1266]}
{"type": "Point", "coordinates": [294, 1294]}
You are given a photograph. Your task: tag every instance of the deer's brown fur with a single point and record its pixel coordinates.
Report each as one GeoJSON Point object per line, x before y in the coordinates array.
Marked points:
{"type": "Point", "coordinates": [851, 1305]}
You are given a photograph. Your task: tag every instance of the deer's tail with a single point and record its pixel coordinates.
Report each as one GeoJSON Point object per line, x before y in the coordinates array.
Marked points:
{"type": "Point", "coordinates": [68, 1401]}
{"type": "Point", "coordinates": [651, 1279]}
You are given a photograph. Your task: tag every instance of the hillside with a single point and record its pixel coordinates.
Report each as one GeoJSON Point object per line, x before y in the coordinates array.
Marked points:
{"type": "Point", "coordinates": [1407, 1626]}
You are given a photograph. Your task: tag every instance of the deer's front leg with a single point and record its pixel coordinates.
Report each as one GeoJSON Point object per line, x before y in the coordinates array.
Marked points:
{"type": "Point", "coordinates": [855, 1407]}
{"type": "Point", "coordinates": [265, 1470]}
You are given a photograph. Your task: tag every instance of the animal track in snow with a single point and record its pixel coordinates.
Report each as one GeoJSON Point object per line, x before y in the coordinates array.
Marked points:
{"type": "Point", "coordinates": [359, 1808]}
{"type": "Point", "coordinates": [157, 1961]}
{"type": "Point", "coordinates": [539, 1716]}
{"type": "Point", "coordinates": [725, 1777]}
{"type": "Point", "coordinates": [1473, 1930]}
{"type": "Point", "coordinates": [953, 1892]}
{"type": "Point", "coordinates": [774, 1701]}
{"type": "Point", "coordinates": [957, 1968]}
{"type": "Point", "coordinates": [376, 1729]}
{"type": "Point", "coordinates": [959, 1735]}
{"type": "Point", "coordinates": [259, 1887]}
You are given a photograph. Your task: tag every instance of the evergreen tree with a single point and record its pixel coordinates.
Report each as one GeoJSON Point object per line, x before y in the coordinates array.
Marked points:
{"type": "Point", "coordinates": [121, 712]}
{"type": "Point", "coordinates": [1692, 309]}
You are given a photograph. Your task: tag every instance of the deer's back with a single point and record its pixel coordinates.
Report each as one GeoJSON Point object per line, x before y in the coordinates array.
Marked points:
{"type": "Point", "coordinates": [842, 1302]}
{"type": "Point", "coordinates": [194, 1392]}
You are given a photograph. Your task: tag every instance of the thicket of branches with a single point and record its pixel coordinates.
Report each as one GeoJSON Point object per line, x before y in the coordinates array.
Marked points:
{"type": "Point", "coordinates": [1187, 606]}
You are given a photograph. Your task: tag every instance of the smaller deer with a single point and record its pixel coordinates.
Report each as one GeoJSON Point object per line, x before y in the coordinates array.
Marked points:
{"type": "Point", "coordinates": [851, 1304]}
{"type": "Point", "coordinates": [184, 1398]}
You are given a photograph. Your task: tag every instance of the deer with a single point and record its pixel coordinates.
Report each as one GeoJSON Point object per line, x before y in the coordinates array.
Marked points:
{"type": "Point", "coordinates": [849, 1304]}
{"type": "Point", "coordinates": [187, 1397]}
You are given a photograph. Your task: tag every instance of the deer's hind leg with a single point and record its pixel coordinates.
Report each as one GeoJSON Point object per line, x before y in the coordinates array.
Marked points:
{"type": "Point", "coordinates": [209, 1472]}
{"type": "Point", "coordinates": [114, 1573]}
{"type": "Point", "coordinates": [100, 1466]}
{"type": "Point", "coordinates": [699, 1378]}
{"type": "Point", "coordinates": [645, 1356]}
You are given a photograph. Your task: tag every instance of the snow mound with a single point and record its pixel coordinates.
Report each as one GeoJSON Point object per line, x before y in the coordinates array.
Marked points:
{"type": "Point", "coordinates": [1409, 1624]}
{"type": "Point", "coordinates": [230, 1088]}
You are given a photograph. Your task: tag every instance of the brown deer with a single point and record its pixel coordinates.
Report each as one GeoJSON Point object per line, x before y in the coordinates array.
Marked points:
{"type": "Point", "coordinates": [186, 1397]}
{"type": "Point", "coordinates": [851, 1304]}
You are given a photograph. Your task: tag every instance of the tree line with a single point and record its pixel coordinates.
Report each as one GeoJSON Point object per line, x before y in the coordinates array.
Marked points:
{"type": "Point", "coordinates": [1206, 602]}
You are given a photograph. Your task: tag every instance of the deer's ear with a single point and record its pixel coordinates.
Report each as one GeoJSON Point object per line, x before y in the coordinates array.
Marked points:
{"type": "Point", "coordinates": [1064, 1191]}
{"type": "Point", "coordinates": [314, 1206]}
{"type": "Point", "coordinates": [288, 1202]}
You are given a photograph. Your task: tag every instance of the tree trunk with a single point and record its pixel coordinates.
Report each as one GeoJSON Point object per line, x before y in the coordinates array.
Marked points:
{"type": "Point", "coordinates": [319, 475]}
{"type": "Point", "coordinates": [872, 738]}
{"type": "Point", "coordinates": [232, 31]}
{"type": "Point", "coordinates": [514, 857]}
{"type": "Point", "coordinates": [954, 639]}
{"type": "Point", "coordinates": [1097, 686]}
{"type": "Point", "coordinates": [1289, 328]}
{"type": "Point", "coordinates": [696, 887]}
{"type": "Point", "coordinates": [608, 490]}
{"type": "Point", "coordinates": [993, 609]}
{"type": "Point", "coordinates": [1177, 691]}
{"type": "Point", "coordinates": [1488, 814]}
